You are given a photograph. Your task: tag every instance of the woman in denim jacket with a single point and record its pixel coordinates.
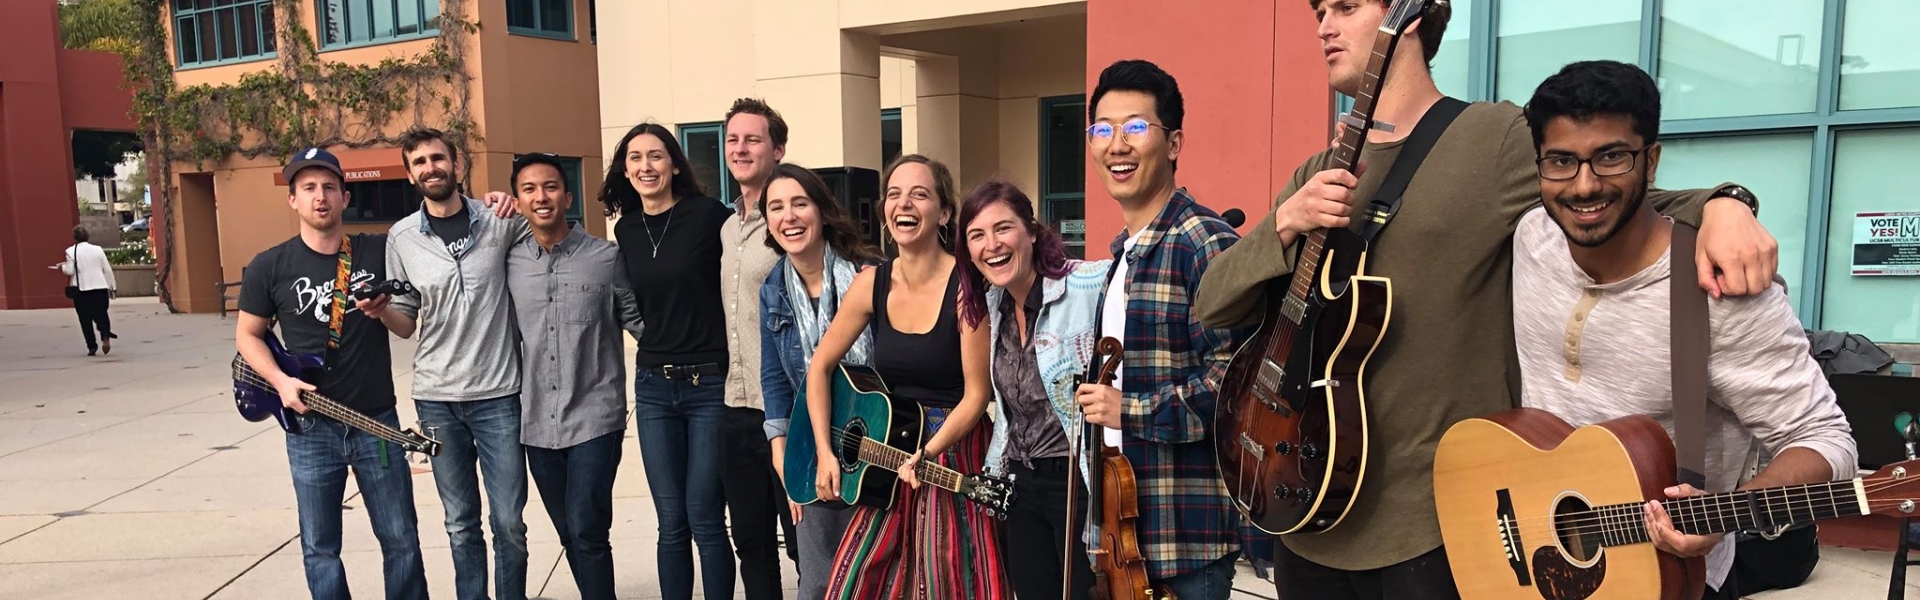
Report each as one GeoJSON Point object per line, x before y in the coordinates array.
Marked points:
{"type": "Point", "coordinates": [822, 251]}
{"type": "Point", "coordinates": [1040, 308]}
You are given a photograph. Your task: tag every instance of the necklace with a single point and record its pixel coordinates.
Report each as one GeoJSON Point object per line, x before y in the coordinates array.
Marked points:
{"type": "Point", "coordinates": [663, 230]}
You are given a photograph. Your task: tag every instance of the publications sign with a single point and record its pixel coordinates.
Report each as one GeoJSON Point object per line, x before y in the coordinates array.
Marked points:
{"type": "Point", "coordinates": [1886, 243]}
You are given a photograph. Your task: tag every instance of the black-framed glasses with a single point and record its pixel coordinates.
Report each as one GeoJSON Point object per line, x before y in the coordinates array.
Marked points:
{"type": "Point", "coordinates": [1100, 135]}
{"type": "Point", "coordinates": [1562, 167]}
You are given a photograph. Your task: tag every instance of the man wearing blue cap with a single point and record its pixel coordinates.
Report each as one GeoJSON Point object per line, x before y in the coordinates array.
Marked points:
{"type": "Point", "coordinates": [302, 285]}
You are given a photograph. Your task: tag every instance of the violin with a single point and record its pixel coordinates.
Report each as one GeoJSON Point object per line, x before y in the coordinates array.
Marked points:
{"type": "Point", "coordinates": [1119, 570]}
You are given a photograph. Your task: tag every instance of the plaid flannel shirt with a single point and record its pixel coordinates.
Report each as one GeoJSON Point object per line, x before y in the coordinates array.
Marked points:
{"type": "Point", "coordinates": [1174, 367]}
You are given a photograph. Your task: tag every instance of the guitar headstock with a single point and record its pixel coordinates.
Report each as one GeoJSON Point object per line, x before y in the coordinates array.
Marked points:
{"type": "Point", "coordinates": [1894, 490]}
{"type": "Point", "coordinates": [1402, 14]}
{"type": "Point", "coordinates": [995, 493]}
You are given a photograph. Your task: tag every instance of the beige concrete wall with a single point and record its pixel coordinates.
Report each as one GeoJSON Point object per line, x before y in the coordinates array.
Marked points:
{"type": "Point", "coordinates": [907, 16]}
{"type": "Point", "coordinates": [1037, 60]}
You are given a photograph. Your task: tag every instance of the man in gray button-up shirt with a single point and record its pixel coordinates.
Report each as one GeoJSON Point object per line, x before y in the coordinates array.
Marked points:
{"type": "Point", "coordinates": [572, 299]}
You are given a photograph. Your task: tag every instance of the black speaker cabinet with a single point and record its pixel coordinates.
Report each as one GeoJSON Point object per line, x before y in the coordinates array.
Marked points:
{"type": "Point", "coordinates": [858, 189]}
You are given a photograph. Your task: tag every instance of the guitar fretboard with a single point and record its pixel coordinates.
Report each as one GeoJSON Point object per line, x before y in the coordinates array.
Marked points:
{"type": "Point", "coordinates": [890, 458]}
{"type": "Point", "coordinates": [1624, 524]}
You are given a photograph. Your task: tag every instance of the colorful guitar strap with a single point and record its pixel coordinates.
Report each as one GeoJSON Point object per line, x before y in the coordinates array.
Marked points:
{"type": "Point", "coordinates": [338, 318]}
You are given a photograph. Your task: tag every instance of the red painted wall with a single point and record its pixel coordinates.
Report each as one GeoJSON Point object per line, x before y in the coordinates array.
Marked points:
{"type": "Point", "coordinates": [45, 92]}
{"type": "Point", "coordinates": [1255, 87]}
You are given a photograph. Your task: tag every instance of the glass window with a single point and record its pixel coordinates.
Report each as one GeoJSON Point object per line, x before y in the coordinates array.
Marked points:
{"type": "Point", "coordinates": [1778, 168]}
{"type": "Point", "coordinates": [1720, 58]}
{"type": "Point", "coordinates": [890, 141]}
{"type": "Point", "coordinates": [380, 201]}
{"type": "Point", "coordinates": [1450, 64]}
{"type": "Point", "coordinates": [705, 151]}
{"type": "Point", "coordinates": [1063, 174]}
{"type": "Point", "coordinates": [349, 22]}
{"type": "Point", "coordinates": [1878, 67]}
{"type": "Point", "coordinates": [213, 32]}
{"type": "Point", "coordinates": [1871, 170]}
{"type": "Point", "coordinates": [551, 18]}
{"type": "Point", "coordinates": [1537, 38]}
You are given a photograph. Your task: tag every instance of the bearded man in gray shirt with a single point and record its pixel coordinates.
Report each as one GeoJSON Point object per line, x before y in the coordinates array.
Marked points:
{"type": "Point", "coordinates": [466, 373]}
{"type": "Point", "coordinates": [1592, 312]}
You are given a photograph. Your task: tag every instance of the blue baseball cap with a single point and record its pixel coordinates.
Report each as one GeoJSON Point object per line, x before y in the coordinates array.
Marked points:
{"type": "Point", "coordinates": [310, 158]}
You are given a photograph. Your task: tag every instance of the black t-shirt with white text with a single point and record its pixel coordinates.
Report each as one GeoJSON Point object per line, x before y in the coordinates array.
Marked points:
{"type": "Point", "coordinates": [456, 231]}
{"type": "Point", "coordinates": [293, 285]}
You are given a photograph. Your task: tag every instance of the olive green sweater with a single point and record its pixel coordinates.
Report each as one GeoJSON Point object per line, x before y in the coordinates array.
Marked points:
{"type": "Point", "coordinates": [1448, 346]}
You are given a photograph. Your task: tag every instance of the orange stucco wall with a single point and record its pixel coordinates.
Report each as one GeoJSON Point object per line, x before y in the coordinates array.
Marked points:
{"type": "Point", "coordinates": [528, 94]}
{"type": "Point", "coordinates": [45, 93]}
{"type": "Point", "coordinates": [1255, 87]}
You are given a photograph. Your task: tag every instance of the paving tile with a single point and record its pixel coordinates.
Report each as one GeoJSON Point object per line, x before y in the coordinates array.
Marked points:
{"type": "Point", "coordinates": [62, 495]}
{"type": "Point", "coordinates": [163, 579]}
{"type": "Point", "coordinates": [142, 536]}
{"type": "Point", "coordinates": [13, 526]}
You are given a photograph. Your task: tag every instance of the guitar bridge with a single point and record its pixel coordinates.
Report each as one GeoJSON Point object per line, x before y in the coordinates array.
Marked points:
{"type": "Point", "coordinates": [1252, 447]}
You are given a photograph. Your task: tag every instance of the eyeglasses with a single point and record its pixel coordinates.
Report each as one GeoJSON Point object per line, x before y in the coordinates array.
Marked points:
{"type": "Point", "coordinates": [1100, 135]}
{"type": "Point", "coordinates": [1562, 167]}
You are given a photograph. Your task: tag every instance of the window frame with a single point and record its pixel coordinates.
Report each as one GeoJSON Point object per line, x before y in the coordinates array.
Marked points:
{"type": "Point", "coordinates": [537, 29]}
{"type": "Point", "coordinates": [1047, 197]}
{"type": "Point", "coordinates": [408, 207]}
{"type": "Point", "coordinates": [429, 24]}
{"type": "Point", "coordinates": [728, 187]}
{"type": "Point", "coordinates": [266, 32]}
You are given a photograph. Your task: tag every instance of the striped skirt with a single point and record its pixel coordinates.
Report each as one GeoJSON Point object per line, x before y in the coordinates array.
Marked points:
{"type": "Point", "coordinates": [932, 545]}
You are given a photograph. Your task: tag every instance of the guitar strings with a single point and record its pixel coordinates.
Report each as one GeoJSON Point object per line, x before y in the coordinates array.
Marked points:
{"type": "Point", "coordinates": [933, 468]}
{"type": "Point", "coordinates": [1797, 496]}
{"type": "Point", "coordinates": [1625, 522]}
{"type": "Point", "coordinates": [245, 374]}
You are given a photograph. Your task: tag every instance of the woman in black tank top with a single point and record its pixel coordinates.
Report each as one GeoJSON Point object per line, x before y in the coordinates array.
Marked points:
{"type": "Point", "coordinates": [942, 365]}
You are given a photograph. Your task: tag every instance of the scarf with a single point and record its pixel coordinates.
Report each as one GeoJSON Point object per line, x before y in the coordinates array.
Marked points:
{"type": "Point", "coordinates": [812, 316]}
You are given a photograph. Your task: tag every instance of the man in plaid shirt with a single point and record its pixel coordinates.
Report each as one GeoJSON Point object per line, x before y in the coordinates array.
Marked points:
{"type": "Point", "coordinates": [1160, 415]}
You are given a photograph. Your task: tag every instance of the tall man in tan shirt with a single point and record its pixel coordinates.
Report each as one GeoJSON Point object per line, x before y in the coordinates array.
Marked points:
{"type": "Point", "coordinates": [756, 141]}
{"type": "Point", "coordinates": [1446, 352]}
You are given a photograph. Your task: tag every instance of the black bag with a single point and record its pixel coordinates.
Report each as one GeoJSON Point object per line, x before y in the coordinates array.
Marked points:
{"type": "Point", "coordinates": [73, 292]}
{"type": "Point", "coordinates": [1784, 562]}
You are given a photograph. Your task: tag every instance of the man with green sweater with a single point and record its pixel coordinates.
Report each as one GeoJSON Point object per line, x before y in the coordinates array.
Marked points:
{"type": "Point", "coordinates": [1447, 352]}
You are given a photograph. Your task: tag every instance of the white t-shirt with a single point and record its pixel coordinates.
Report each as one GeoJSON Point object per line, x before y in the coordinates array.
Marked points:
{"type": "Point", "coordinates": [1113, 316]}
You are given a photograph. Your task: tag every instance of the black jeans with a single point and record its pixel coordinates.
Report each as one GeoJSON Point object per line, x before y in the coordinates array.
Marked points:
{"type": "Point", "coordinates": [755, 500]}
{"type": "Point", "coordinates": [91, 306]}
{"type": "Point", "coordinates": [1424, 577]}
{"type": "Point", "coordinates": [1035, 535]}
{"type": "Point", "coordinates": [576, 485]}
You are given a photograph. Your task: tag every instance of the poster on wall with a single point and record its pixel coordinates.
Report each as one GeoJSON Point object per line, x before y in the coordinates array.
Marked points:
{"type": "Point", "coordinates": [1886, 243]}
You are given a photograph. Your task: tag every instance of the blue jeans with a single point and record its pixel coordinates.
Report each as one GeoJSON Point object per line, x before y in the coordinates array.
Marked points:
{"type": "Point", "coordinates": [576, 484]}
{"type": "Point", "coordinates": [1211, 582]}
{"type": "Point", "coordinates": [680, 439]}
{"type": "Point", "coordinates": [319, 460]}
{"type": "Point", "coordinates": [486, 431]}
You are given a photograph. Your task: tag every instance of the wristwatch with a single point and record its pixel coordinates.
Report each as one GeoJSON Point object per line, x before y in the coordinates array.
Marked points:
{"type": "Point", "coordinates": [1740, 193]}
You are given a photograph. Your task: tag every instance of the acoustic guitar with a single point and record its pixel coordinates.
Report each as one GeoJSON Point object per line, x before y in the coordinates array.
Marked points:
{"type": "Point", "coordinates": [871, 430]}
{"type": "Point", "coordinates": [1531, 508]}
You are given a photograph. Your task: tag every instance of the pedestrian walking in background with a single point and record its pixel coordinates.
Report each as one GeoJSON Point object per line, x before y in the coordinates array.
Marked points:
{"type": "Point", "coordinates": [90, 285]}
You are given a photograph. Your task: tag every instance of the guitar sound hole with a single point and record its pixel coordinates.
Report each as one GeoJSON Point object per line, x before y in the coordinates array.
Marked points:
{"type": "Point", "coordinates": [1576, 528]}
{"type": "Point", "coordinates": [849, 447]}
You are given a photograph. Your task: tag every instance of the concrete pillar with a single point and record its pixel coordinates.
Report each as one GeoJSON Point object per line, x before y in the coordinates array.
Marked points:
{"type": "Point", "coordinates": [826, 82]}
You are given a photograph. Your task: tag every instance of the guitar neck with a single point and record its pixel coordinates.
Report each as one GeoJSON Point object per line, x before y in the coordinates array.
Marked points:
{"type": "Point", "coordinates": [890, 458]}
{"type": "Point", "coordinates": [1622, 524]}
{"type": "Point", "coordinates": [1352, 139]}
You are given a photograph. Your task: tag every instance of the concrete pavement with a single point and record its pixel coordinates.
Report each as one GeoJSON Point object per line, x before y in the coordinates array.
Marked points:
{"type": "Point", "coordinates": [130, 475]}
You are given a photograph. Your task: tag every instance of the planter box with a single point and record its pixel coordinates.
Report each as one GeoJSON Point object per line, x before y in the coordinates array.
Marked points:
{"type": "Point", "coordinates": [134, 280]}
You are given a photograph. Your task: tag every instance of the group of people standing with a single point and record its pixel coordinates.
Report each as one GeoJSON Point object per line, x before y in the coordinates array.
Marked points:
{"type": "Point", "coordinates": [980, 317]}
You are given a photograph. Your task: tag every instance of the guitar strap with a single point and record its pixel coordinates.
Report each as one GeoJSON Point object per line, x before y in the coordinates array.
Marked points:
{"type": "Point", "coordinates": [337, 321]}
{"type": "Point", "coordinates": [1386, 201]}
{"type": "Point", "coordinates": [1690, 346]}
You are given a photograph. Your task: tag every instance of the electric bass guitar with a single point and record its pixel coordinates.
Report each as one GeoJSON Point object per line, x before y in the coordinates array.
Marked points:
{"type": "Point", "coordinates": [1291, 426]}
{"type": "Point", "coordinates": [1531, 508]}
{"type": "Point", "coordinates": [257, 400]}
{"type": "Point", "coordinates": [871, 429]}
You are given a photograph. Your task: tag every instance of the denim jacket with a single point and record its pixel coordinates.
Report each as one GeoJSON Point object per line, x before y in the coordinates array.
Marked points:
{"type": "Point", "coordinates": [1063, 338]}
{"type": "Point", "coordinates": [783, 362]}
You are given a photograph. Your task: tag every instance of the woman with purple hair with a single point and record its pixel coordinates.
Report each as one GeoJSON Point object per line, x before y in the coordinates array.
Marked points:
{"type": "Point", "coordinates": [1041, 310]}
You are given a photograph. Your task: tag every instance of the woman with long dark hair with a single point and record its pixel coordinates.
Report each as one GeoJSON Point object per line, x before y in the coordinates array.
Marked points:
{"type": "Point", "coordinates": [821, 252]}
{"type": "Point", "coordinates": [1039, 307]}
{"type": "Point", "coordinates": [669, 234]}
{"type": "Point", "coordinates": [930, 542]}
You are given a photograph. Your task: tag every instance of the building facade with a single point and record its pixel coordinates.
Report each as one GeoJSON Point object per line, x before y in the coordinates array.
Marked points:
{"type": "Point", "coordinates": [532, 66]}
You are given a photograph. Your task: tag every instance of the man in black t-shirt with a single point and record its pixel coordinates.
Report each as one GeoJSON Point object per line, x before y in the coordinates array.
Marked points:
{"type": "Point", "coordinates": [293, 284]}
